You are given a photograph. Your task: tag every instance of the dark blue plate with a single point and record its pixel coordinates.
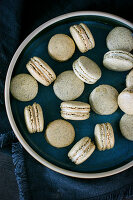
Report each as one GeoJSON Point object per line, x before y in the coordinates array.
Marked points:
{"type": "Point", "coordinates": [106, 161]}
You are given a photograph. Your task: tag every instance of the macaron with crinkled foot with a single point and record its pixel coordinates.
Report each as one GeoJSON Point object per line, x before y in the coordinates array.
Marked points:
{"type": "Point", "coordinates": [24, 87]}
{"type": "Point", "coordinates": [82, 37]}
{"type": "Point", "coordinates": [87, 70]}
{"type": "Point", "coordinates": [61, 47]}
{"type": "Point", "coordinates": [81, 151]}
{"type": "Point", "coordinates": [60, 133]}
{"type": "Point", "coordinates": [126, 126]}
{"type": "Point", "coordinates": [103, 100]}
{"type": "Point", "coordinates": [129, 79]}
{"type": "Point", "coordinates": [125, 101]}
{"type": "Point", "coordinates": [41, 71]}
{"type": "Point", "coordinates": [104, 136]}
{"type": "Point", "coordinates": [120, 38]}
{"type": "Point", "coordinates": [34, 118]}
{"type": "Point", "coordinates": [75, 110]}
{"type": "Point", "coordinates": [118, 60]}
{"type": "Point", "coordinates": [68, 86]}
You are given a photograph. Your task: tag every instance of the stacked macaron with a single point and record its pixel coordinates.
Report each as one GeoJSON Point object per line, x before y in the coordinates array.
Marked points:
{"type": "Point", "coordinates": [70, 84]}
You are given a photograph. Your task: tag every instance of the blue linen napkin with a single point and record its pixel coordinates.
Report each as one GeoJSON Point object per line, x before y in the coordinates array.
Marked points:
{"type": "Point", "coordinates": [35, 181]}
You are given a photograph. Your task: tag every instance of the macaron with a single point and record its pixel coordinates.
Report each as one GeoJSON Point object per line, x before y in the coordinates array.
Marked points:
{"type": "Point", "coordinates": [103, 100]}
{"type": "Point", "coordinates": [120, 38]}
{"type": "Point", "coordinates": [125, 101]}
{"type": "Point", "coordinates": [129, 79]}
{"type": "Point", "coordinates": [126, 126]}
{"type": "Point", "coordinates": [68, 86]}
{"type": "Point", "coordinates": [34, 118]}
{"type": "Point", "coordinates": [61, 47]}
{"type": "Point", "coordinates": [41, 71]}
{"type": "Point", "coordinates": [60, 133]}
{"type": "Point", "coordinates": [118, 60]}
{"type": "Point", "coordinates": [104, 136]}
{"type": "Point", "coordinates": [87, 70]}
{"type": "Point", "coordinates": [75, 110]}
{"type": "Point", "coordinates": [24, 87]}
{"type": "Point", "coordinates": [81, 151]}
{"type": "Point", "coordinates": [82, 37]}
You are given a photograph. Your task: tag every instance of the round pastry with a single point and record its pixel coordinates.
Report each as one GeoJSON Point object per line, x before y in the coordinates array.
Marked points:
{"type": "Point", "coordinates": [87, 70]}
{"type": "Point", "coordinates": [81, 151]}
{"type": "Point", "coordinates": [68, 86]}
{"type": "Point", "coordinates": [104, 136]}
{"type": "Point", "coordinates": [103, 100]}
{"type": "Point", "coordinates": [120, 38]}
{"type": "Point", "coordinates": [82, 37]}
{"type": "Point", "coordinates": [61, 47]}
{"type": "Point", "coordinates": [41, 71]}
{"type": "Point", "coordinates": [125, 101]}
{"type": "Point", "coordinates": [59, 133]}
{"type": "Point", "coordinates": [34, 118]}
{"type": "Point", "coordinates": [75, 110]}
{"type": "Point", "coordinates": [24, 87]}
{"type": "Point", "coordinates": [126, 126]}
{"type": "Point", "coordinates": [118, 60]}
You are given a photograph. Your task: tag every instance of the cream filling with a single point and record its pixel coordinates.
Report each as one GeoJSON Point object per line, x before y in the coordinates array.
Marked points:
{"type": "Point", "coordinates": [66, 109]}
{"type": "Point", "coordinates": [81, 151]}
{"type": "Point", "coordinates": [40, 68]}
{"type": "Point", "coordinates": [105, 135]}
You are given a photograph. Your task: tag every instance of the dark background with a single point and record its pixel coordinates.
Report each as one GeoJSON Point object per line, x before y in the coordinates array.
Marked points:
{"type": "Point", "coordinates": [25, 16]}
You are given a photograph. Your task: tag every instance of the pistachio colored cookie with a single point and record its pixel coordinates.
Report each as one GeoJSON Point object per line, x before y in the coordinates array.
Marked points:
{"type": "Point", "coordinates": [68, 86]}
{"type": "Point", "coordinates": [103, 100]}
{"type": "Point", "coordinates": [59, 133]}
{"type": "Point", "coordinates": [61, 47]}
{"type": "Point", "coordinates": [24, 87]}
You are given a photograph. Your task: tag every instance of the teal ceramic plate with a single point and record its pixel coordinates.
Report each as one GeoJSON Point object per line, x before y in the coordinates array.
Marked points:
{"type": "Point", "coordinates": [100, 164]}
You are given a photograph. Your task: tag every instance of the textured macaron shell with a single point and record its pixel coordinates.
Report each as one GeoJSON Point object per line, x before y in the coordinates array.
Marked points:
{"type": "Point", "coordinates": [24, 87]}
{"type": "Point", "coordinates": [126, 126]}
{"type": "Point", "coordinates": [129, 79]}
{"type": "Point", "coordinates": [82, 37]}
{"type": "Point", "coordinates": [75, 110]}
{"type": "Point", "coordinates": [34, 118]}
{"type": "Point", "coordinates": [81, 151]}
{"type": "Point", "coordinates": [125, 101]}
{"type": "Point", "coordinates": [68, 86]}
{"type": "Point", "coordinates": [29, 119]}
{"type": "Point", "coordinates": [59, 133]}
{"type": "Point", "coordinates": [120, 38]}
{"type": "Point", "coordinates": [41, 71]}
{"type": "Point", "coordinates": [104, 136]}
{"type": "Point", "coordinates": [61, 47]}
{"type": "Point", "coordinates": [103, 100]}
{"type": "Point", "coordinates": [87, 70]}
{"type": "Point", "coordinates": [118, 60]}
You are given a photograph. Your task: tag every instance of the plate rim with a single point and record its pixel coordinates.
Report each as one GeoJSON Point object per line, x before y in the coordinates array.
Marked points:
{"type": "Point", "coordinates": [8, 105]}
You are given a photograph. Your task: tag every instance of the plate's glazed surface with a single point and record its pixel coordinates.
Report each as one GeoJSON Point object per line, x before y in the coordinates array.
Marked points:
{"type": "Point", "coordinates": [99, 162]}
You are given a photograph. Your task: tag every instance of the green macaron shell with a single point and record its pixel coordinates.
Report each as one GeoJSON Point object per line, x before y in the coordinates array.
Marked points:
{"type": "Point", "coordinates": [24, 87]}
